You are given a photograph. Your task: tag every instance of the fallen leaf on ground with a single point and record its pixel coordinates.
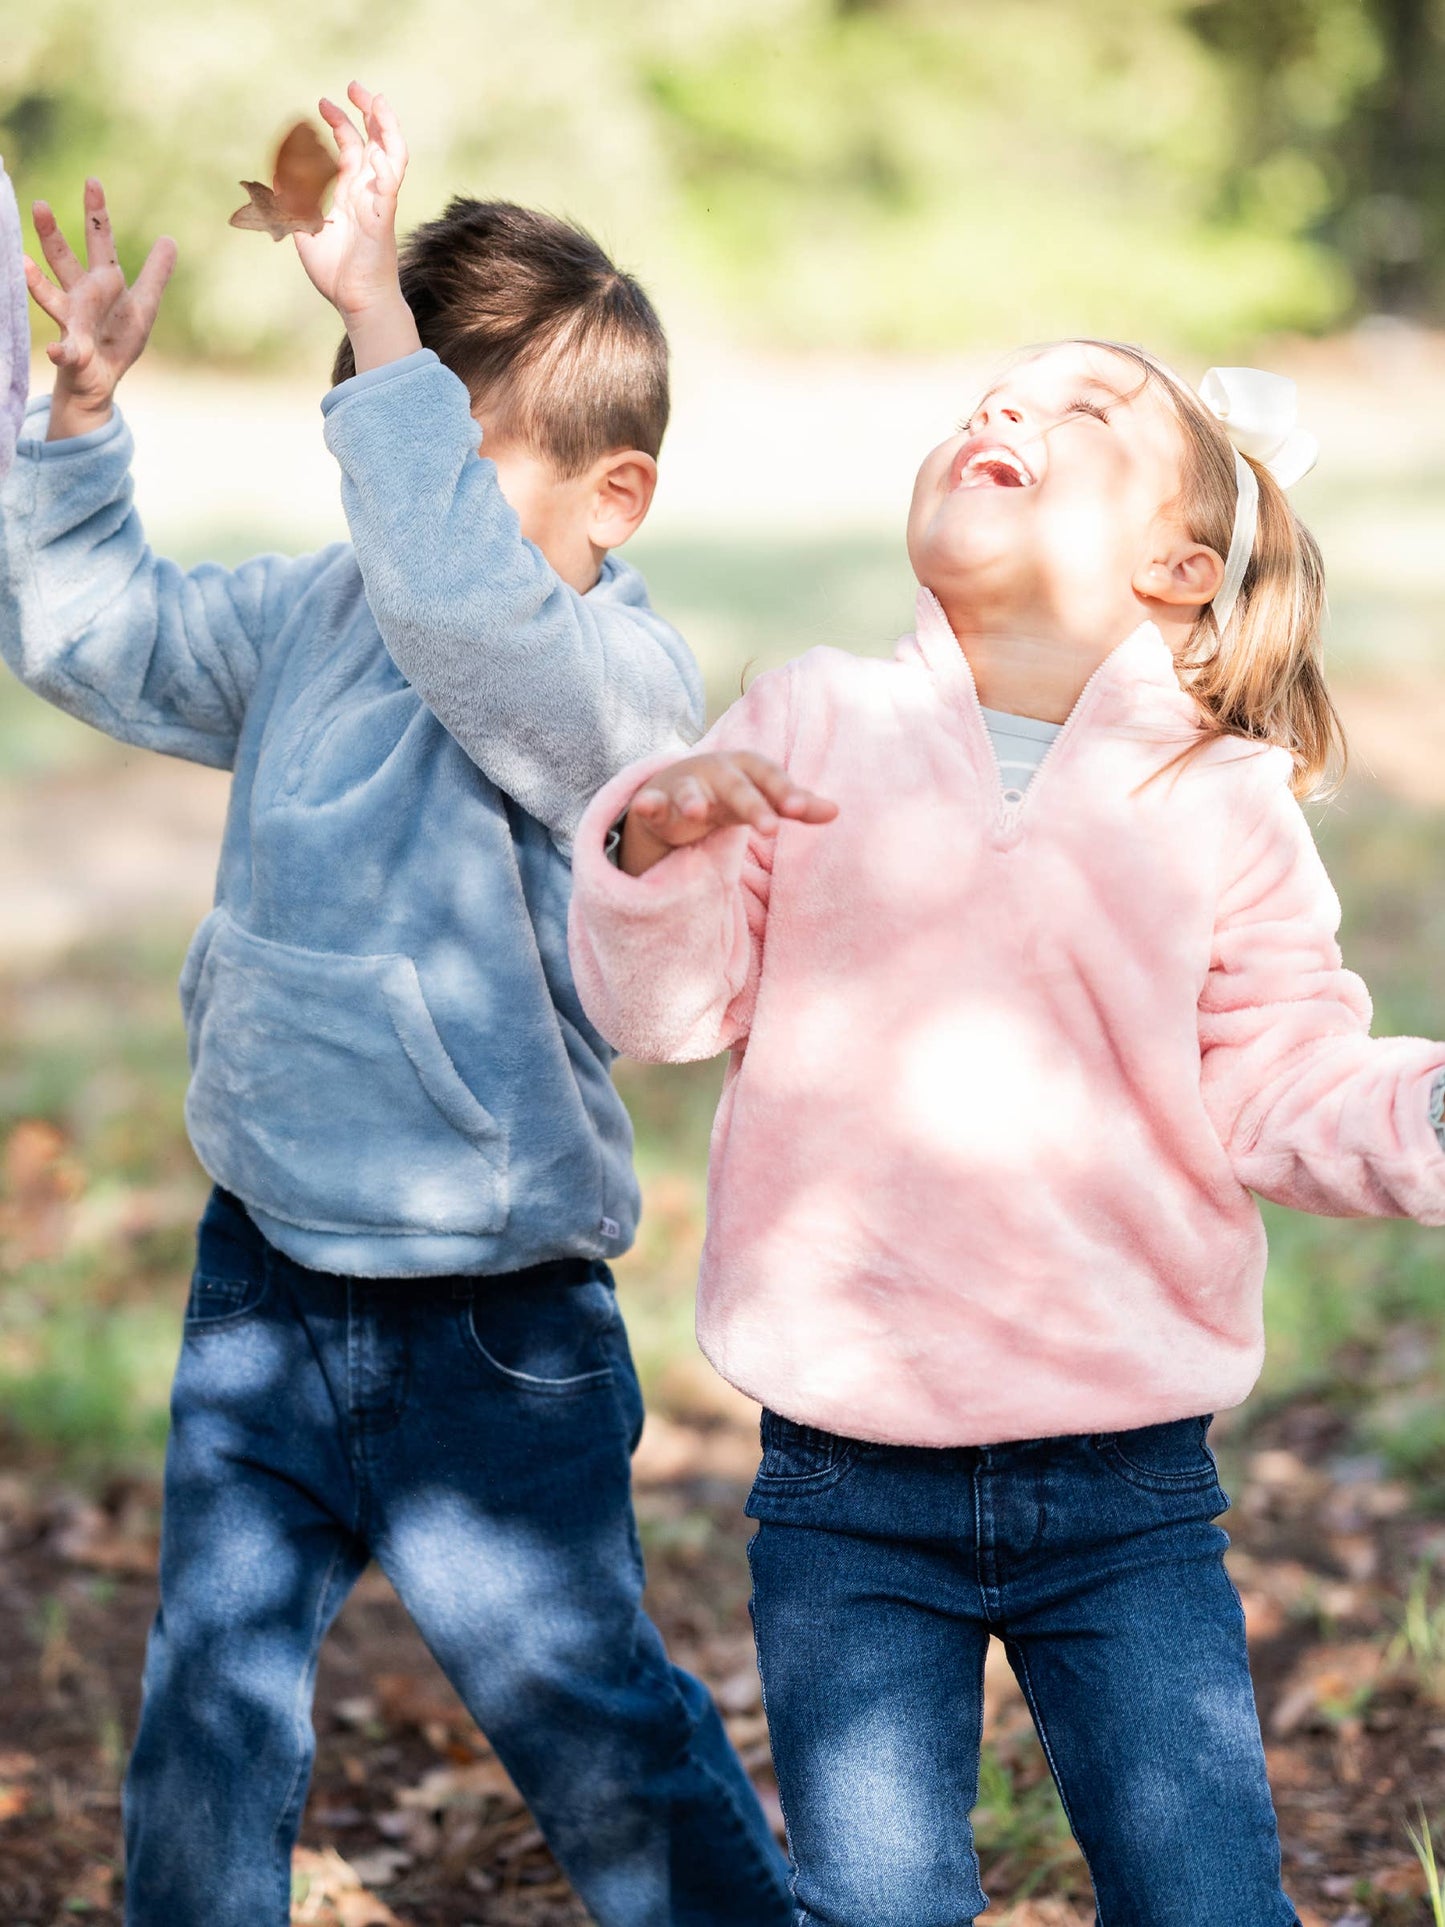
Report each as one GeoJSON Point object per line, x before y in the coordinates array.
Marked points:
{"type": "Point", "coordinates": [328, 1892]}
{"type": "Point", "coordinates": [1331, 1682]}
{"type": "Point", "coordinates": [448, 1786]}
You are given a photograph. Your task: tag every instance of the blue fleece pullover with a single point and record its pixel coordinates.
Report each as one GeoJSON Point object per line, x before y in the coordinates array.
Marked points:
{"type": "Point", "coordinates": [390, 1065]}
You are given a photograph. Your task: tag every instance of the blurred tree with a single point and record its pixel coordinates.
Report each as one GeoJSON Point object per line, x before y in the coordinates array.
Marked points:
{"type": "Point", "coordinates": [1342, 101]}
{"type": "Point", "coordinates": [910, 173]}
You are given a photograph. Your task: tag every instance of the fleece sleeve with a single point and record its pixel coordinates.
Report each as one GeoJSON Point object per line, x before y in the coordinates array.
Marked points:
{"type": "Point", "coordinates": [14, 325]}
{"type": "Point", "coordinates": [549, 692]}
{"type": "Point", "coordinates": [1314, 1112]}
{"type": "Point", "coordinates": [90, 619]}
{"type": "Point", "coordinates": [667, 964]}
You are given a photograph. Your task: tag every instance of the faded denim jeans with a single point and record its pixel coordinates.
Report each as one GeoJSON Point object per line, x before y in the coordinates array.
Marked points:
{"type": "Point", "coordinates": [880, 1572]}
{"type": "Point", "coordinates": [473, 1436]}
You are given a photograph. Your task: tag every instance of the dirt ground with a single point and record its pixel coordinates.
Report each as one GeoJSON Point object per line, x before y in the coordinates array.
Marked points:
{"type": "Point", "coordinates": [412, 1820]}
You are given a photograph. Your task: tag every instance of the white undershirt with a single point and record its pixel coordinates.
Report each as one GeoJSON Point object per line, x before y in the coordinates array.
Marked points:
{"type": "Point", "coordinates": [1020, 743]}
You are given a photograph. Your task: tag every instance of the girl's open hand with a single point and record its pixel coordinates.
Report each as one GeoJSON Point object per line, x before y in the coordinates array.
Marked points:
{"type": "Point", "coordinates": [688, 800]}
{"type": "Point", "coordinates": [104, 323]}
{"type": "Point", "coordinates": [352, 261]}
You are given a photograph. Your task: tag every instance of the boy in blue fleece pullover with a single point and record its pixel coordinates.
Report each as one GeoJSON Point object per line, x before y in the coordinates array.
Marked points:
{"type": "Point", "coordinates": [402, 1341]}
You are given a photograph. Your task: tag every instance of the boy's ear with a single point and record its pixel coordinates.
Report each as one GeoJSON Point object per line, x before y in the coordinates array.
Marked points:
{"type": "Point", "coordinates": [1188, 573]}
{"type": "Point", "coordinates": [623, 486]}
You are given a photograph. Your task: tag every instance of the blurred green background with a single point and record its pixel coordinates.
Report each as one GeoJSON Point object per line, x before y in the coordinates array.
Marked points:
{"type": "Point", "coordinates": [837, 205]}
{"type": "Point", "coordinates": [890, 173]}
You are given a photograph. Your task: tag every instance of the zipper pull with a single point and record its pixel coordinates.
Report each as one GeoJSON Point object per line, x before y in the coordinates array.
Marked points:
{"type": "Point", "coordinates": [1008, 816]}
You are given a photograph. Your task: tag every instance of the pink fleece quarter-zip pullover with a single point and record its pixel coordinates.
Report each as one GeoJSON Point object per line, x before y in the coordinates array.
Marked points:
{"type": "Point", "coordinates": [1003, 1074]}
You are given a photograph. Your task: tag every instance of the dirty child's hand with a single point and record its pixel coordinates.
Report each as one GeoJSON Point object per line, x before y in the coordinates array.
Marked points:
{"type": "Point", "coordinates": [690, 799]}
{"type": "Point", "coordinates": [104, 324]}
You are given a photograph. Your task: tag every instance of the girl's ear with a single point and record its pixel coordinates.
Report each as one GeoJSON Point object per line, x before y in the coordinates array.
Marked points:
{"type": "Point", "coordinates": [623, 484]}
{"type": "Point", "coordinates": [1185, 575]}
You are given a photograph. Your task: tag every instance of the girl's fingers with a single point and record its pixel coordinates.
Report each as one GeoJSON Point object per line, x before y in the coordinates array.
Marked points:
{"type": "Point", "coordinates": [99, 240]}
{"type": "Point", "coordinates": [787, 797]}
{"type": "Point", "coordinates": [150, 283]}
{"type": "Point", "coordinates": [44, 293]}
{"type": "Point", "coordinates": [743, 800]}
{"type": "Point", "coordinates": [815, 809]}
{"type": "Point", "coordinates": [775, 783]}
{"type": "Point", "coordinates": [54, 246]}
{"type": "Point", "coordinates": [690, 799]}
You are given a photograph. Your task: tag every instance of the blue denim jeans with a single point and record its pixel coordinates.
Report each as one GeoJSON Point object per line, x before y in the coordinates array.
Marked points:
{"type": "Point", "coordinates": [879, 1573]}
{"type": "Point", "coordinates": [473, 1436]}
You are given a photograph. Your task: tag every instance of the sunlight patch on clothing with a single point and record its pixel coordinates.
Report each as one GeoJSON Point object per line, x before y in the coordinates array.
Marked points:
{"type": "Point", "coordinates": [482, 1571]}
{"type": "Point", "coordinates": [982, 1086]}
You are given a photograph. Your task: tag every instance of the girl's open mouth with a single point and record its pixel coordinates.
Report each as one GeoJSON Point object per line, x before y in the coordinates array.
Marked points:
{"type": "Point", "coordinates": [990, 465]}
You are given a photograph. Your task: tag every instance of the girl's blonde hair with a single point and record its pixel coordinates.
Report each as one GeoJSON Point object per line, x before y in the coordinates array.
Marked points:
{"type": "Point", "coordinates": [1263, 679]}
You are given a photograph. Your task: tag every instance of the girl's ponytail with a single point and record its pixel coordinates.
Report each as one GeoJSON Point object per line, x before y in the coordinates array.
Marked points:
{"type": "Point", "coordinates": [1264, 678]}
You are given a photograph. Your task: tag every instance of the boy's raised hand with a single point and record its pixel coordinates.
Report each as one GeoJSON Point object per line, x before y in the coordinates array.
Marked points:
{"type": "Point", "coordinates": [690, 799]}
{"type": "Point", "coordinates": [352, 261]}
{"type": "Point", "coordinates": [104, 323]}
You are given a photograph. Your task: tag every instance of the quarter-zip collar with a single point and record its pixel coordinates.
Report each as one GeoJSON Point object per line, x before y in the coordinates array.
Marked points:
{"type": "Point", "coordinates": [1135, 684]}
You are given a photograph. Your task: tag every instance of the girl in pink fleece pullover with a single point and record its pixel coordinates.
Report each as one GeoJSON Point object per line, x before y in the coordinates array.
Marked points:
{"type": "Point", "coordinates": [1010, 1050]}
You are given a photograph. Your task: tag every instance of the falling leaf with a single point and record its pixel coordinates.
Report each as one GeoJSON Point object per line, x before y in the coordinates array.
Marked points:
{"type": "Point", "coordinates": [292, 204]}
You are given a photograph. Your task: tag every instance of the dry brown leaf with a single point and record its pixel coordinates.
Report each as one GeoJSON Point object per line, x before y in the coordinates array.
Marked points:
{"type": "Point", "coordinates": [88, 1536]}
{"type": "Point", "coordinates": [403, 1699]}
{"type": "Point", "coordinates": [1406, 1879]}
{"type": "Point", "coordinates": [94, 1889]}
{"type": "Point", "coordinates": [1288, 1766]}
{"type": "Point", "coordinates": [41, 1180]}
{"type": "Point", "coordinates": [303, 171]}
{"type": "Point", "coordinates": [447, 1786]}
{"type": "Point", "coordinates": [13, 1801]}
{"type": "Point", "coordinates": [1043, 1913]}
{"type": "Point", "coordinates": [332, 1893]}
{"type": "Point", "coordinates": [1264, 1617]}
{"type": "Point", "coordinates": [1330, 1682]}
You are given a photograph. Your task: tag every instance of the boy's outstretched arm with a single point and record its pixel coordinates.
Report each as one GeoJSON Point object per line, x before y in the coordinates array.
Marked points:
{"type": "Point", "coordinates": [549, 691]}
{"type": "Point", "coordinates": [89, 618]}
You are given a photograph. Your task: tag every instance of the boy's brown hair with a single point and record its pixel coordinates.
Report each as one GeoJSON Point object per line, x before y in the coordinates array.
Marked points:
{"type": "Point", "coordinates": [555, 344]}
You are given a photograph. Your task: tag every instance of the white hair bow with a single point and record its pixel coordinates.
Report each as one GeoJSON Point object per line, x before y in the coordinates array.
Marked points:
{"type": "Point", "coordinates": [1259, 412]}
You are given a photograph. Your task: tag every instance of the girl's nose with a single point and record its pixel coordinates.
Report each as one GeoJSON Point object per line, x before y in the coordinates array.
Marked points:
{"type": "Point", "coordinates": [1000, 414]}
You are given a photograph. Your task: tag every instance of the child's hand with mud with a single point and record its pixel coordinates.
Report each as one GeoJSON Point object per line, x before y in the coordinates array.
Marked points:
{"type": "Point", "coordinates": [104, 323]}
{"type": "Point", "coordinates": [352, 261]}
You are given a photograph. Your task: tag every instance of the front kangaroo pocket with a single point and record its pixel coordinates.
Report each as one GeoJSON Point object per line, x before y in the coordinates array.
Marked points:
{"type": "Point", "coordinates": [323, 1094]}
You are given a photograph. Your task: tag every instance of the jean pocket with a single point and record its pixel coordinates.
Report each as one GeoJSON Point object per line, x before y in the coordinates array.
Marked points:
{"type": "Point", "coordinates": [801, 1458]}
{"type": "Point", "coordinates": [1173, 1457]}
{"type": "Point", "coordinates": [230, 1276]}
{"type": "Point", "coordinates": [542, 1338]}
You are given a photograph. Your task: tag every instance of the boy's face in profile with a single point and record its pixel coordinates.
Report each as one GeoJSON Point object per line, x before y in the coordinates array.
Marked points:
{"type": "Point", "coordinates": [573, 519]}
